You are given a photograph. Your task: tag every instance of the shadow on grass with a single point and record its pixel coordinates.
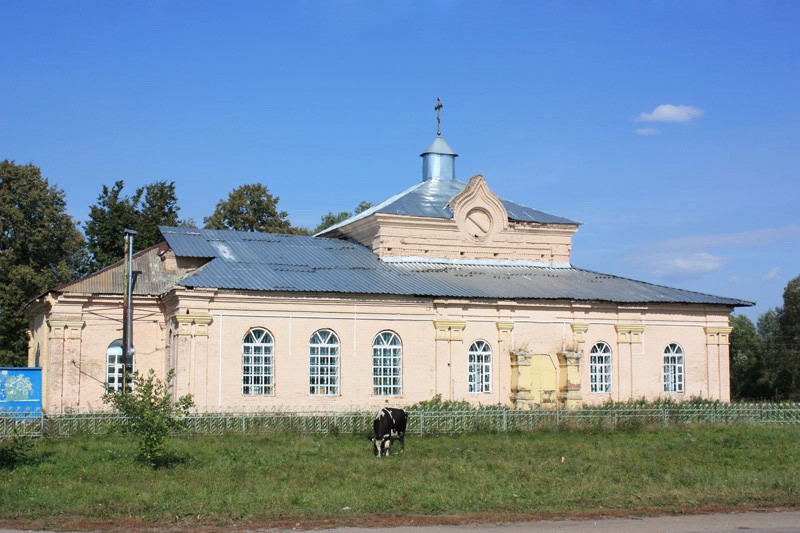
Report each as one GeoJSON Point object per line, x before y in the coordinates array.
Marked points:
{"type": "Point", "coordinates": [165, 461]}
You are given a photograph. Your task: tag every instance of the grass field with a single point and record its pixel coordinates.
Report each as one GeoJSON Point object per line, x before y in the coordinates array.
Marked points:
{"type": "Point", "coordinates": [280, 478]}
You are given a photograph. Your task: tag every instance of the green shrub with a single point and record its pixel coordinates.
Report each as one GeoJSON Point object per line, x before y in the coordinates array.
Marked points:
{"type": "Point", "coordinates": [14, 451]}
{"type": "Point", "coordinates": [151, 413]}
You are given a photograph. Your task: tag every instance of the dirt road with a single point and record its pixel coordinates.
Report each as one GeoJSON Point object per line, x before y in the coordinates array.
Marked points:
{"type": "Point", "coordinates": [767, 522]}
{"type": "Point", "coordinates": [752, 522]}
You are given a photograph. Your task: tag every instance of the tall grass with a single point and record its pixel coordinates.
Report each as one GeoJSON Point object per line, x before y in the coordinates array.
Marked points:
{"type": "Point", "coordinates": [267, 478]}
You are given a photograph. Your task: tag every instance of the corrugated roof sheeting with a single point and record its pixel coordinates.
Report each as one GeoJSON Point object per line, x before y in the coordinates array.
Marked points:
{"type": "Point", "coordinates": [150, 278]}
{"type": "Point", "coordinates": [265, 262]}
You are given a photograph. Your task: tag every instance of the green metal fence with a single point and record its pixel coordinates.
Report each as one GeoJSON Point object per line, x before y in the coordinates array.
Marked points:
{"type": "Point", "coordinates": [437, 419]}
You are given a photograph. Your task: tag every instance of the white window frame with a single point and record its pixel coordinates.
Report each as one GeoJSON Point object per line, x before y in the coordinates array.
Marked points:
{"type": "Point", "coordinates": [387, 364]}
{"type": "Point", "coordinates": [600, 368]}
{"type": "Point", "coordinates": [674, 368]}
{"type": "Point", "coordinates": [480, 367]}
{"type": "Point", "coordinates": [258, 363]}
{"type": "Point", "coordinates": [115, 369]}
{"type": "Point", "coordinates": [323, 363]}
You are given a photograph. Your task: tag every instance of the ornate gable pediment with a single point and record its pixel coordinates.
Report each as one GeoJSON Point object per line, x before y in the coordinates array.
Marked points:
{"type": "Point", "coordinates": [478, 212]}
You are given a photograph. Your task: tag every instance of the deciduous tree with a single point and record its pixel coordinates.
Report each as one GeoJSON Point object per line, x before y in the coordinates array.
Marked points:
{"type": "Point", "coordinates": [147, 208]}
{"type": "Point", "coordinates": [159, 208]}
{"type": "Point", "coordinates": [249, 208]}
{"type": "Point", "coordinates": [789, 320]}
{"type": "Point", "coordinates": [112, 214]}
{"type": "Point", "coordinates": [768, 366]}
{"type": "Point", "coordinates": [331, 218]}
{"type": "Point", "coordinates": [40, 248]}
{"type": "Point", "coordinates": [748, 377]}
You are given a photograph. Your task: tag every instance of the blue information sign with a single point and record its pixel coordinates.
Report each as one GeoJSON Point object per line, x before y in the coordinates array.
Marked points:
{"type": "Point", "coordinates": [21, 390]}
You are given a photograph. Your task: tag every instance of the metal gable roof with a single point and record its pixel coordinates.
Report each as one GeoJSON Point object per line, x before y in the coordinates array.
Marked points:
{"type": "Point", "coordinates": [293, 263]}
{"type": "Point", "coordinates": [150, 277]}
{"type": "Point", "coordinates": [430, 199]}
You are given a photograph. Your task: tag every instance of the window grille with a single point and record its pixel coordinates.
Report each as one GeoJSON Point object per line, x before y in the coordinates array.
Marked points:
{"type": "Point", "coordinates": [324, 363]}
{"type": "Point", "coordinates": [258, 363]}
{"type": "Point", "coordinates": [673, 368]}
{"type": "Point", "coordinates": [480, 367]}
{"type": "Point", "coordinates": [387, 364]}
{"type": "Point", "coordinates": [600, 368]}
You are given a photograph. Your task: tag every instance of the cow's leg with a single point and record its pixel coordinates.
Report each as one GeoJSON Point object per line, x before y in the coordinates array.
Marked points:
{"type": "Point", "coordinates": [387, 444]}
{"type": "Point", "coordinates": [377, 444]}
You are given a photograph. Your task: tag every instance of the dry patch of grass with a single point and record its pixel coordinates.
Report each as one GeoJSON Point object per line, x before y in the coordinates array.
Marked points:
{"type": "Point", "coordinates": [281, 478]}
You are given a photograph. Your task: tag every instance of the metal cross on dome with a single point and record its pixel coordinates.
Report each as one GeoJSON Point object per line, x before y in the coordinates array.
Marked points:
{"type": "Point", "coordinates": [438, 108]}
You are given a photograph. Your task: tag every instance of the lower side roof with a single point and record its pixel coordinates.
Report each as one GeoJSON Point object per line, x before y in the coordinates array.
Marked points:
{"type": "Point", "coordinates": [293, 263]}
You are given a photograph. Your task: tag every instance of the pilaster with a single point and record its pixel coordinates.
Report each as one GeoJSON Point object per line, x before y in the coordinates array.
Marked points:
{"type": "Point", "coordinates": [569, 371]}
{"type": "Point", "coordinates": [570, 379]}
{"type": "Point", "coordinates": [629, 343]}
{"type": "Point", "coordinates": [64, 380]}
{"type": "Point", "coordinates": [718, 362]}
{"type": "Point", "coordinates": [191, 355]}
{"type": "Point", "coordinates": [447, 332]}
{"type": "Point", "coordinates": [502, 370]}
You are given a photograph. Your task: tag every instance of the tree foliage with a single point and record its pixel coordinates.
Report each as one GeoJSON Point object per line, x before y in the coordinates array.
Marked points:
{"type": "Point", "coordinates": [159, 208]}
{"type": "Point", "coordinates": [331, 218]}
{"type": "Point", "coordinates": [765, 360]}
{"type": "Point", "coordinates": [40, 247]}
{"type": "Point", "coordinates": [249, 208]}
{"type": "Point", "coordinates": [748, 378]}
{"type": "Point", "coordinates": [151, 413]}
{"type": "Point", "coordinates": [147, 208]}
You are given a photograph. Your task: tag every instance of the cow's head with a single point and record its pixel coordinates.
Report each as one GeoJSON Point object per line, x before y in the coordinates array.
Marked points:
{"type": "Point", "coordinates": [381, 446]}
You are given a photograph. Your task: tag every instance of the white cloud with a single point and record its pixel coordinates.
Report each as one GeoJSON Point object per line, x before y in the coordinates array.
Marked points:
{"type": "Point", "coordinates": [772, 274]}
{"type": "Point", "coordinates": [647, 131]}
{"type": "Point", "coordinates": [689, 265]}
{"type": "Point", "coordinates": [691, 257]}
{"type": "Point", "coordinates": [758, 237]}
{"type": "Point", "coordinates": [671, 113]}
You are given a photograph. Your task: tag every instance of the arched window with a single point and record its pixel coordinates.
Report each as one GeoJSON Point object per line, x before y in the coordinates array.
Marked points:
{"type": "Point", "coordinates": [673, 368]}
{"type": "Point", "coordinates": [480, 367]}
{"type": "Point", "coordinates": [323, 350]}
{"type": "Point", "coordinates": [258, 363]}
{"type": "Point", "coordinates": [115, 366]}
{"type": "Point", "coordinates": [600, 368]}
{"type": "Point", "coordinates": [387, 364]}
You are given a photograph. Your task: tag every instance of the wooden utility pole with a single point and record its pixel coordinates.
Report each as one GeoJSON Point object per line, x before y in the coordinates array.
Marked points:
{"type": "Point", "coordinates": [127, 311]}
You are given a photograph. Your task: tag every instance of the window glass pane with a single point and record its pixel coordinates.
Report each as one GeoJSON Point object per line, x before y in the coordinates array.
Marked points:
{"type": "Point", "coordinates": [257, 362]}
{"type": "Point", "coordinates": [115, 368]}
{"type": "Point", "coordinates": [479, 367]}
{"type": "Point", "coordinates": [600, 368]}
{"type": "Point", "coordinates": [324, 363]}
{"type": "Point", "coordinates": [386, 364]}
{"type": "Point", "coordinates": [673, 368]}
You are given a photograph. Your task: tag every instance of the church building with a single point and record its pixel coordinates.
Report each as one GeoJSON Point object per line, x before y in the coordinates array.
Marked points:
{"type": "Point", "coordinates": [443, 289]}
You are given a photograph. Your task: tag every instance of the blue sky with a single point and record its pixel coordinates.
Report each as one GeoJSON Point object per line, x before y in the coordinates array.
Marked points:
{"type": "Point", "coordinates": [669, 129]}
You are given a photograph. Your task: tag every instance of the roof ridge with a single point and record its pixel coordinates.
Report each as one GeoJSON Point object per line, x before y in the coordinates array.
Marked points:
{"type": "Point", "coordinates": [370, 211]}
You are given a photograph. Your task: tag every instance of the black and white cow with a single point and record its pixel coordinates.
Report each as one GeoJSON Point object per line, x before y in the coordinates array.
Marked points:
{"type": "Point", "coordinates": [389, 424]}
